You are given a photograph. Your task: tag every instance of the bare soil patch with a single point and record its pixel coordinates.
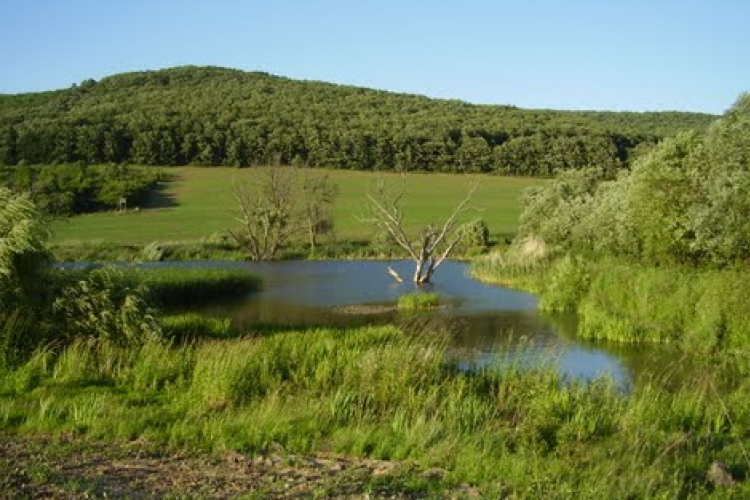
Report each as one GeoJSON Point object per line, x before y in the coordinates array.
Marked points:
{"type": "Point", "coordinates": [68, 468]}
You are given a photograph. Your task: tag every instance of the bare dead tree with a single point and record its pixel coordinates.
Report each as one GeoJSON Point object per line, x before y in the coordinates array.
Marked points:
{"type": "Point", "coordinates": [318, 194]}
{"type": "Point", "coordinates": [282, 203]}
{"type": "Point", "coordinates": [433, 245]}
{"type": "Point", "coordinates": [267, 212]}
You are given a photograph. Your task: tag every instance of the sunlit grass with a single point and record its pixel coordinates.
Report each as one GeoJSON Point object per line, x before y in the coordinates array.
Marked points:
{"type": "Point", "coordinates": [386, 393]}
{"type": "Point", "coordinates": [203, 204]}
{"type": "Point", "coordinates": [418, 300]}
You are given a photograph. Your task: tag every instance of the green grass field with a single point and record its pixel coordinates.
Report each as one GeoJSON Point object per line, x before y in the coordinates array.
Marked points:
{"type": "Point", "coordinates": [199, 202]}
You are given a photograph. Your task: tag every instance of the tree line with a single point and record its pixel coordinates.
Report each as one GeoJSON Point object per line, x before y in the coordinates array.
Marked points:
{"type": "Point", "coordinates": [216, 116]}
{"type": "Point", "coordinates": [68, 189]}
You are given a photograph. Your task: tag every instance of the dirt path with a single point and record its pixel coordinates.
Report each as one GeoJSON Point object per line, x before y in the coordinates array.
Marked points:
{"type": "Point", "coordinates": [71, 468]}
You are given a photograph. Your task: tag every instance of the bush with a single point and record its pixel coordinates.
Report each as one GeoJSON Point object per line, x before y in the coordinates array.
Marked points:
{"type": "Point", "coordinates": [104, 305]}
{"type": "Point", "coordinates": [475, 234]}
{"type": "Point", "coordinates": [568, 281]}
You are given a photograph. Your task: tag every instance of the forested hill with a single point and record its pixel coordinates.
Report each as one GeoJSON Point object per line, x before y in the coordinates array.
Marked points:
{"type": "Point", "coordinates": [216, 116]}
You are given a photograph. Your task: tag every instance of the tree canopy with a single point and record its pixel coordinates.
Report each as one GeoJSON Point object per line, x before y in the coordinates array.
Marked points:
{"type": "Point", "coordinates": [686, 201]}
{"type": "Point", "coordinates": [216, 116]}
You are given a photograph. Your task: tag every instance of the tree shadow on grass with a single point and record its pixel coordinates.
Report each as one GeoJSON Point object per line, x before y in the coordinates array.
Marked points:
{"type": "Point", "coordinates": [159, 197]}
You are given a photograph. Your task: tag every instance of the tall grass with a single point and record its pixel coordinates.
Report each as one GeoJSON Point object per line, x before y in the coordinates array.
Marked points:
{"type": "Point", "coordinates": [118, 304]}
{"type": "Point", "coordinates": [521, 266]}
{"type": "Point", "coordinates": [385, 393]}
{"type": "Point", "coordinates": [187, 327]}
{"type": "Point", "coordinates": [698, 309]}
{"type": "Point", "coordinates": [169, 286]}
{"type": "Point", "coordinates": [173, 286]}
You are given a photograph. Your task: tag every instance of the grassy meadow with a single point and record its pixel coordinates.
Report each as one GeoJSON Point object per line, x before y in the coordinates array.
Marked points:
{"type": "Point", "coordinates": [198, 202]}
{"type": "Point", "coordinates": [386, 394]}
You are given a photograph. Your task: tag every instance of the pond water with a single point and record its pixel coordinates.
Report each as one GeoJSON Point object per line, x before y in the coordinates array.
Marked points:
{"type": "Point", "coordinates": [487, 324]}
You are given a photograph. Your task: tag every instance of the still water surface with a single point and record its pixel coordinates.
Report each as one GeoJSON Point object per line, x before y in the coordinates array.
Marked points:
{"type": "Point", "coordinates": [488, 324]}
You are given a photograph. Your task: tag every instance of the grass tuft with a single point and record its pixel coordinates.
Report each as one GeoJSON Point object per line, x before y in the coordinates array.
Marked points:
{"type": "Point", "coordinates": [418, 300]}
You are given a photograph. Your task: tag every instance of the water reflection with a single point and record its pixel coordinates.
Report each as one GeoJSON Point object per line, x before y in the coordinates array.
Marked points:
{"type": "Point", "coordinates": [487, 324]}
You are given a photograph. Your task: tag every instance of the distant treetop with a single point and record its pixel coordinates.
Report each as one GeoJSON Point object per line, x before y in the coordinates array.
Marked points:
{"type": "Point", "coordinates": [218, 116]}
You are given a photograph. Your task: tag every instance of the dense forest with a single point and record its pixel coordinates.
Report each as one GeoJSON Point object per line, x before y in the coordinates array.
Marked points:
{"type": "Point", "coordinates": [216, 116]}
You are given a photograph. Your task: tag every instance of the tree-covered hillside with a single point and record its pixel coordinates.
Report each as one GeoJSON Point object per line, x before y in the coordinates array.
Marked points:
{"type": "Point", "coordinates": [216, 116]}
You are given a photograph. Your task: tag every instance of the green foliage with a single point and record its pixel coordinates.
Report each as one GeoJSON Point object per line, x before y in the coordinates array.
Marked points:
{"type": "Point", "coordinates": [77, 188]}
{"type": "Point", "coordinates": [103, 305]}
{"type": "Point", "coordinates": [216, 116]}
{"type": "Point", "coordinates": [513, 433]}
{"type": "Point", "coordinates": [683, 202]}
{"type": "Point", "coordinates": [702, 310]}
{"type": "Point", "coordinates": [188, 327]}
{"type": "Point", "coordinates": [182, 286]}
{"type": "Point", "coordinates": [24, 259]}
{"type": "Point", "coordinates": [475, 234]}
{"type": "Point", "coordinates": [418, 300]}
{"type": "Point", "coordinates": [553, 212]}
{"type": "Point", "coordinates": [567, 283]}
{"type": "Point", "coordinates": [523, 265]}
{"type": "Point", "coordinates": [153, 252]}
{"type": "Point", "coordinates": [698, 309]}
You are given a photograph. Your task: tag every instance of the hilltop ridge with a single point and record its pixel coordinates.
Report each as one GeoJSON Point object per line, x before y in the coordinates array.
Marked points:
{"type": "Point", "coordinates": [219, 116]}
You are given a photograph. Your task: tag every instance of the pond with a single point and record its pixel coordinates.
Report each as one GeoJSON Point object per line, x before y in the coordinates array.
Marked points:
{"type": "Point", "coordinates": [487, 324]}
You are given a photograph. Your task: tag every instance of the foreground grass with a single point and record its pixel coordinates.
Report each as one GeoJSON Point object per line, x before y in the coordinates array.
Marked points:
{"type": "Point", "coordinates": [198, 202]}
{"type": "Point", "coordinates": [385, 394]}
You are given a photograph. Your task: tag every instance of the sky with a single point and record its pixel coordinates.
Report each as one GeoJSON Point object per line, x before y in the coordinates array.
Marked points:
{"type": "Point", "coordinates": [688, 55]}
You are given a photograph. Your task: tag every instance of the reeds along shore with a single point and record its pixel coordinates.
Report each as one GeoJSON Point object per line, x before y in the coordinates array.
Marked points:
{"type": "Point", "coordinates": [699, 309]}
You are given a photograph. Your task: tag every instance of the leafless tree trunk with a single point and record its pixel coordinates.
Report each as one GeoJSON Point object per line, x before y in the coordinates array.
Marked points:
{"type": "Point", "coordinates": [433, 245]}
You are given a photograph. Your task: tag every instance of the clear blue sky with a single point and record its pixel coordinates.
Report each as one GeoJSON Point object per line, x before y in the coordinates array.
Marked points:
{"type": "Point", "coordinates": [566, 54]}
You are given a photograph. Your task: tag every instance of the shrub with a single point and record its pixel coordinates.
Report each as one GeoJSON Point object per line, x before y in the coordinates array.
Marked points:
{"type": "Point", "coordinates": [568, 282]}
{"type": "Point", "coordinates": [153, 252]}
{"type": "Point", "coordinates": [103, 304]}
{"type": "Point", "coordinates": [475, 234]}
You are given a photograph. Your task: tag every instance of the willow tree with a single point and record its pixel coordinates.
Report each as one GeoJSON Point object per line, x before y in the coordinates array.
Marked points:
{"type": "Point", "coordinates": [431, 246]}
